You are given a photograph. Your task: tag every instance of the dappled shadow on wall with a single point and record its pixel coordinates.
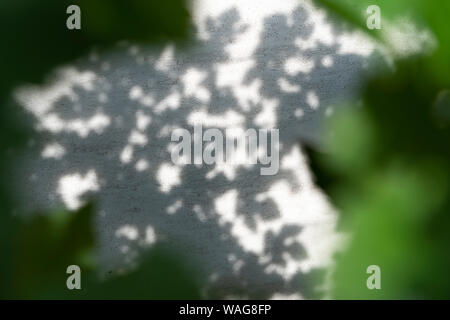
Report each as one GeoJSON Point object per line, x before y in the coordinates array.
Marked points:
{"type": "Point", "coordinates": [103, 130]}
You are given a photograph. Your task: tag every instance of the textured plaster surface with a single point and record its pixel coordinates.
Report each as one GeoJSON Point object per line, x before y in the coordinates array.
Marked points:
{"type": "Point", "coordinates": [106, 123]}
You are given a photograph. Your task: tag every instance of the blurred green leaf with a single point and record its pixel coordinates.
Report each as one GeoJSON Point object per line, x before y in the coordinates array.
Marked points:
{"type": "Point", "coordinates": [389, 163]}
{"type": "Point", "coordinates": [37, 39]}
{"type": "Point", "coordinates": [47, 245]}
{"type": "Point", "coordinates": [425, 15]}
{"type": "Point", "coordinates": [393, 162]}
{"type": "Point", "coordinates": [37, 251]}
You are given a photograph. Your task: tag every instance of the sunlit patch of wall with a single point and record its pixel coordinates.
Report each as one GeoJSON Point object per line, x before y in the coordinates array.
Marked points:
{"type": "Point", "coordinates": [106, 122]}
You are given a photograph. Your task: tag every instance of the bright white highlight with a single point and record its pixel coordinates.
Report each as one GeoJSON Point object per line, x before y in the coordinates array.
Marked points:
{"type": "Point", "coordinates": [168, 177]}
{"type": "Point", "coordinates": [72, 187]}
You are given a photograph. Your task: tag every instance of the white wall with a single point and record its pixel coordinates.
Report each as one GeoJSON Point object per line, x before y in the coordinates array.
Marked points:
{"type": "Point", "coordinates": [106, 122]}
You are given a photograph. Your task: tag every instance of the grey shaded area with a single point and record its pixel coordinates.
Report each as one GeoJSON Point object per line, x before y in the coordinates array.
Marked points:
{"type": "Point", "coordinates": [109, 119]}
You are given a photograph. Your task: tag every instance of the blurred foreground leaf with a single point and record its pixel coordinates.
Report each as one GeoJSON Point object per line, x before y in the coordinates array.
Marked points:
{"type": "Point", "coordinates": [388, 166]}
{"type": "Point", "coordinates": [391, 162]}
{"type": "Point", "coordinates": [36, 38]}
{"type": "Point", "coordinates": [46, 245]}
{"type": "Point", "coordinates": [37, 251]}
{"type": "Point", "coordinates": [422, 15]}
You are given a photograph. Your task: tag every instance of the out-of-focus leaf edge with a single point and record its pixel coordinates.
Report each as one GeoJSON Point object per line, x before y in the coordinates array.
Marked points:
{"type": "Point", "coordinates": [348, 16]}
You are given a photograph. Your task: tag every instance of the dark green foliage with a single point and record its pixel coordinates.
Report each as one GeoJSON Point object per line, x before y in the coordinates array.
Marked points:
{"type": "Point", "coordinates": [37, 251]}
{"type": "Point", "coordinates": [35, 37]}
{"type": "Point", "coordinates": [45, 246]}
{"type": "Point", "coordinates": [390, 164]}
